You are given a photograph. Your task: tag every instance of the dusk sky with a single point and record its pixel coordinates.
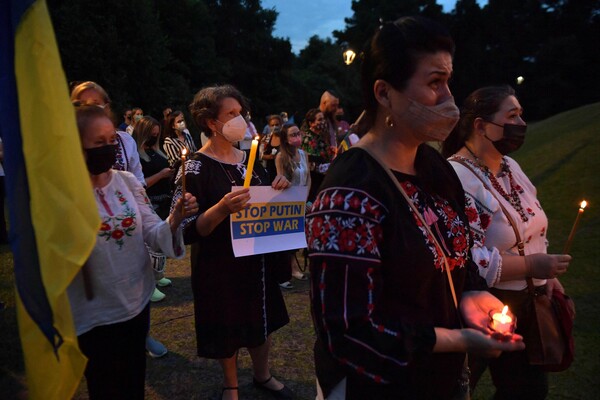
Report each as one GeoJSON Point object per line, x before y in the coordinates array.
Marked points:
{"type": "Point", "coordinates": [298, 20]}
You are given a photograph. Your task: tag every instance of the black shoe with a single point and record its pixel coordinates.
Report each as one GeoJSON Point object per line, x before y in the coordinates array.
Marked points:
{"type": "Point", "coordinates": [284, 393]}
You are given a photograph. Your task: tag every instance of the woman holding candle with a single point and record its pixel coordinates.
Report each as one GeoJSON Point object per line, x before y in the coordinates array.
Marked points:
{"type": "Point", "coordinates": [110, 297]}
{"type": "Point", "coordinates": [237, 301]}
{"type": "Point", "coordinates": [384, 311]}
{"type": "Point", "coordinates": [491, 126]}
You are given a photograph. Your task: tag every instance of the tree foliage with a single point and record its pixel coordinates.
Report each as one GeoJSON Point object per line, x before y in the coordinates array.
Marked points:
{"type": "Point", "coordinates": [158, 53]}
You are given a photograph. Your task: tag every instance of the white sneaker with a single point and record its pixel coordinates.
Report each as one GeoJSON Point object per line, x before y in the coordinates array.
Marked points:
{"type": "Point", "coordinates": [286, 285]}
{"type": "Point", "coordinates": [155, 348]}
{"type": "Point", "coordinates": [157, 296]}
{"type": "Point", "coordinates": [164, 282]}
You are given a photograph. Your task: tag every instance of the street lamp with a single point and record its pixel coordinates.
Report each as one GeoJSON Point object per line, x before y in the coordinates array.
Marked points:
{"type": "Point", "coordinates": [349, 56]}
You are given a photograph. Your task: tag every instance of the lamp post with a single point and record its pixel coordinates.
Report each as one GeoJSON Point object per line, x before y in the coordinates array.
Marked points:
{"type": "Point", "coordinates": [349, 56]}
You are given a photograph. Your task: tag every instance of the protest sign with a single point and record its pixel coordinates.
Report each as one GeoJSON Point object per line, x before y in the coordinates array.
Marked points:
{"type": "Point", "coordinates": [273, 221]}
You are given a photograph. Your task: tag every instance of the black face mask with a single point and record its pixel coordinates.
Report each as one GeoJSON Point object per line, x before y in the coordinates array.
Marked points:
{"type": "Point", "coordinates": [101, 159]}
{"type": "Point", "coordinates": [512, 139]}
{"type": "Point", "coordinates": [151, 141]}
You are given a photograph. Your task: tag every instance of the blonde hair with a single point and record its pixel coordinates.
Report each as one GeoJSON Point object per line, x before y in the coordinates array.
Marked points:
{"type": "Point", "coordinates": [82, 87]}
{"type": "Point", "coordinates": [142, 132]}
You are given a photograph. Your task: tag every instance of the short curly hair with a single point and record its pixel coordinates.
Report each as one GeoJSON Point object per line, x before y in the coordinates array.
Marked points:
{"type": "Point", "coordinates": [207, 104]}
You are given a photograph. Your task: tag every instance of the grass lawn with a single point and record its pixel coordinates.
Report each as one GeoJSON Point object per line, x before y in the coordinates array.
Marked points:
{"type": "Point", "coordinates": [561, 156]}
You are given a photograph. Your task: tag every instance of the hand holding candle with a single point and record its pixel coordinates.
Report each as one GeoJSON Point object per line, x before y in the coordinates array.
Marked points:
{"type": "Point", "coordinates": [250, 167]}
{"type": "Point", "coordinates": [572, 234]}
{"type": "Point", "coordinates": [504, 322]}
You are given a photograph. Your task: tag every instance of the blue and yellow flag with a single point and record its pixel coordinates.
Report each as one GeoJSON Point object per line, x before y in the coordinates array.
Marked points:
{"type": "Point", "coordinates": [53, 217]}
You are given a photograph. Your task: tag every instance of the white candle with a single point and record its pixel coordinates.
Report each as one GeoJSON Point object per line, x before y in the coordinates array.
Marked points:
{"type": "Point", "coordinates": [572, 234]}
{"type": "Point", "coordinates": [502, 322]}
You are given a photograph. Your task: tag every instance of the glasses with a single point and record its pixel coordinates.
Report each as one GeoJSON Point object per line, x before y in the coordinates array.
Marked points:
{"type": "Point", "coordinates": [79, 103]}
{"type": "Point", "coordinates": [295, 134]}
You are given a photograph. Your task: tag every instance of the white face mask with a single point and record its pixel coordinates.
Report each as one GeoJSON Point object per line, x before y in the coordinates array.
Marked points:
{"type": "Point", "coordinates": [234, 129]}
{"type": "Point", "coordinates": [180, 125]}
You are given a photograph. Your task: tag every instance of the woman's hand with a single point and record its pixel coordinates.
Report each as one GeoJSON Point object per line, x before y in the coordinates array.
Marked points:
{"type": "Point", "coordinates": [490, 346]}
{"type": "Point", "coordinates": [475, 308]}
{"type": "Point", "coordinates": [166, 173]}
{"type": "Point", "coordinates": [280, 182]}
{"type": "Point", "coordinates": [234, 201]}
{"type": "Point", "coordinates": [546, 266]}
{"type": "Point", "coordinates": [473, 341]}
{"type": "Point", "coordinates": [185, 207]}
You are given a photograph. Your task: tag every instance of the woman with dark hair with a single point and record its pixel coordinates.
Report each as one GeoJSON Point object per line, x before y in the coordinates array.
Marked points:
{"type": "Point", "coordinates": [158, 187]}
{"type": "Point", "coordinates": [395, 299]}
{"type": "Point", "coordinates": [491, 127]}
{"type": "Point", "coordinates": [177, 137]}
{"type": "Point", "coordinates": [237, 302]}
{"type": "Point", "coordinates": [292, 162]}
{"type": "Point", "coordinates": [269, 145]}
{"type": "Point", "coordinates": [316, 145]}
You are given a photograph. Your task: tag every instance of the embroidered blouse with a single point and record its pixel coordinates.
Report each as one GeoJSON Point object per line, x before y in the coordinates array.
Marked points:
{"type": "Point", "coordinates": [128, 158]}
{"type": "Point", "coordinates": [378, 285]}
{"type": "Point", "coordinates": [173, 147]}
{"type": "Point", "coordinates": [119, 265]}
{"type": "Point", "coordinates": [317, 149]}
{"type": "Point", "coordinates": [492, 233]}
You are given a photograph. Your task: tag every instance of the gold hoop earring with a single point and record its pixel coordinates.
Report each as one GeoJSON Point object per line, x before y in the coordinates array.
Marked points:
{"type": "Point", "coordinates": [389, 121]}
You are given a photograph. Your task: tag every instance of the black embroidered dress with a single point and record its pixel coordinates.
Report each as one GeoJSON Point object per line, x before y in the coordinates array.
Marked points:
{"type": "Point", "coordinates": [237, 302]}
{"type": "Point", "coordinates": [378, 287]}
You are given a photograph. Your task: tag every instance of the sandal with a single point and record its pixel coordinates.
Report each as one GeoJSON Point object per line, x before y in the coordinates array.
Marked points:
{"type": "Point", "coordinates": [286, 285]}
{"type": "Point", "coordinates": [284, 393]}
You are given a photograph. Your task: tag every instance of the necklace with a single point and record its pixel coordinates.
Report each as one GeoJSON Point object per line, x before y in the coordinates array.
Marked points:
{"type": "Point", "coordinates": [231, 178]}
{"type": "Point", "coordinates": [513, 197]}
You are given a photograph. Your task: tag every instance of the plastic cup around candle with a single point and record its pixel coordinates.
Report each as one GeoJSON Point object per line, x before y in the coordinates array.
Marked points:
{"type": "Point", "coordinates": [504, 323]}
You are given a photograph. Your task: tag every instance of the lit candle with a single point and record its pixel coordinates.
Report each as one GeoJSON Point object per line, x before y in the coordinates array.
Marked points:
{"type": "Point", "coordinates": [502, 322]}
{"type": "Point", "coordinates": [250, 168]}
{"type": "Point", "coordinates": [572, 234]}
{"type": "Point", "coordinates": [183, 153]}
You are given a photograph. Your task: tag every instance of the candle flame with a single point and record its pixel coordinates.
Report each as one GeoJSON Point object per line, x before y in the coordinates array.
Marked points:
{"type": "Point", "coordinates": [583, 204]}
{"type": "Point", "coordinates": [504, 310]}
{"type": "Point", "coordinates": [183, 151]}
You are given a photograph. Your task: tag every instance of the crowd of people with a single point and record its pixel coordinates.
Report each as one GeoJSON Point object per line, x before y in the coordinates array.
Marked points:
{"type": "Point", "coordinates": [409, 249]}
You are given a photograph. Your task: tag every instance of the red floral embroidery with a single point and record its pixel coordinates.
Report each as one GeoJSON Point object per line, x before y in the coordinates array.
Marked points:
{"type": "Point", "coordinates": [485, 221]}
{"type": "Point", "coordinates": [354, 202]}
{"type": "Point", "coordinates": [119, 226]}
{"type": "Point", "coordinates": [333, 224]}
{"type": "Point", "coordinates": [471, 214]}
{"type": "Point", "coordinates": [127, 222]}
{"type": "Point", "coordinates": [347, 241]}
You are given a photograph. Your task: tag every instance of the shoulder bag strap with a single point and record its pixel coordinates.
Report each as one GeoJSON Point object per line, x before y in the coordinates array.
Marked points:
{"type": "Point", "coordinates": [511, 221]}
{"type": "Point", "coordinates": [420, 216]}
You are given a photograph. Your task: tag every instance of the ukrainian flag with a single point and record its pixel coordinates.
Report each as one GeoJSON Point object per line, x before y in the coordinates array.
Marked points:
{"type": "Point", "coordinates": [53, 217]}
